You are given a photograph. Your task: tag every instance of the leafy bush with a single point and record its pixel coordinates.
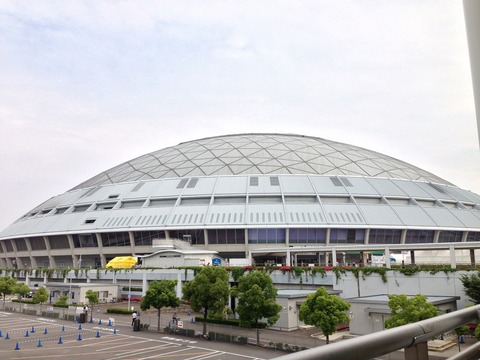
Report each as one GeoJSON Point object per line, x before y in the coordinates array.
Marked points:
{"type": "Point", "coordinates": [230, 322]}
{"type": "Point", "coordinates": [120, 311]}
{"type": "Point", "coordinates": [24, 301]}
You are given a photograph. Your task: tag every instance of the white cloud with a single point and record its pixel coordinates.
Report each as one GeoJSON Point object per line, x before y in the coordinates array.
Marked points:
{"type": "Point", "coordinates": [86, 85]}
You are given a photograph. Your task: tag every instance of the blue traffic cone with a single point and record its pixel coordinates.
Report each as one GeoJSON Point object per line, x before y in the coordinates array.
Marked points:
{"type": "Point", "coordinates": [109, 322]}
{"type": "Point", "coordinates": [462, 339]}
{"type": "Point", "coordinates": [63, 328]}
{"type": "Point", "coordinates": [99, 321]}
{"type": "Point", "coordinates": [33, 329]}
{"type": "Point", "coordinates": [79, 326]}
{"type": "Point", "coordinates": [26, 334]}
{"type": "Point", "coordinates": [60, 341]}
{"type": "Point", "coordinates": [79, 337]}
{"type": "Point", "coordinates": [91, 320]}
{"type": "Point", "coordinates": [39, 343]}
{"type": "Point", "coordinates": [7, 336]}
{"type": "Point", "coordinates": [1, 333]}
{"type": "Point", "coordinates": [98, 334]}
{"type": "Point", "coordinates": [45, 331]}
{"type": "Point", "coordinates": [114, 331]}
{"type": "Point", "coordinates": [17, 346]}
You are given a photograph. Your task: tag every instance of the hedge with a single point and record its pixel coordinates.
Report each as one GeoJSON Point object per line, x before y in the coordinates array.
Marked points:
{"type": "Point", "coordinates": [180, 331]}
{"type": "Point", "coordinates": [230, 322]}
{"type": "Point", "coordinates": [121, 311]}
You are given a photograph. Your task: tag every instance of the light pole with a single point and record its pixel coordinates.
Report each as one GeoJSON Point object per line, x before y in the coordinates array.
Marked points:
{"type": "Point", "coordinates": [70, 293]}
{"type": "Point", "coordinates": [129, 296]}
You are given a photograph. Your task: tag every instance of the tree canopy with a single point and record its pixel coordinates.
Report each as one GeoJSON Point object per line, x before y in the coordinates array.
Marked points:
{"type": "Point", "coordinates": [21, 289]}
{"type": "Point", "coordinates": [7, 286]}
{"type": "Point", "coordinates": [92, 297]}
{"type": "Point", "coordinates": [40, 296]}
{"type": "Point", "coordinates": [160, 294]}
{"type": "Point", "coordinates": [406, 310]}
{"type": "Point", "coordinates": [209, 290]}
{"type": "Point", "coordinates": [256, 299]}
{"type": "Point", "coordinates": [471, 283]}
{"type": "Point", "coordinates": [324, 311]}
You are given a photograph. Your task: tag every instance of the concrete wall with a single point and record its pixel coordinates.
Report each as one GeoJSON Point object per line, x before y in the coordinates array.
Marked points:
{"type": "Point", "coordinates": [363, 321]}
{"type": "Point", "coordinates": [425, 283]}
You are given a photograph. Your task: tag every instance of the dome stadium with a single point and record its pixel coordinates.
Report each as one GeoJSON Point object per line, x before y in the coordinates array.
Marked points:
{"type": "Point", "coordinates": [270, 195]}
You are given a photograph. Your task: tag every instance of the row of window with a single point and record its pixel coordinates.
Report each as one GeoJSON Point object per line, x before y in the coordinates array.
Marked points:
{"type": "Point", "coordinates": [238, 236]}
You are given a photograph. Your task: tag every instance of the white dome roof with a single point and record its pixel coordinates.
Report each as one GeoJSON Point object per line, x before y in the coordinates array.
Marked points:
{"type": "Point", "coordinates": [260, 154]}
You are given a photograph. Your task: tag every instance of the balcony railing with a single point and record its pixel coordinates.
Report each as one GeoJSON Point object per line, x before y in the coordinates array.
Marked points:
{"type": "Point", "coordinates": [411, 337]}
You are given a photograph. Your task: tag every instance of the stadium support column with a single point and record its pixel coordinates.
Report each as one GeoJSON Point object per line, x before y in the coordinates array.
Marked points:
{"type": "Point", "coordinates": [103, 259]}
{"type": "Point", "coordinates": [453, 260]}
{"type": "Point", "coordinates": [412, 257]}
{"type": "Point", "coordinates": [179, 284]}
{"type": "Point", "coordinates": [387, 258]}
{"type": "Point", "coordinates": [131, 237]}
{"type": "Point", "coordinates": [144, 284]}
{"type": "Point", "coordinates": [288, 259]}
{"type": "Point", "coordinates": [334, 257]}
{"type": "Point", "coordinates": [51, 258]}
{"type": "Point", "coordinates": [249, 257]}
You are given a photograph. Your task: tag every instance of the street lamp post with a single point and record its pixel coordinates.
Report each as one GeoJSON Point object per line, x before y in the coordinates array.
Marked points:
{"type": "Point", "coordinates": [129, 295]}
{"type": "Point", "coordinates": [70, 293]}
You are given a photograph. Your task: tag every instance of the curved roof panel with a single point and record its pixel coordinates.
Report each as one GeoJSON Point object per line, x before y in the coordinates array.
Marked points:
{"type": "Point", "coordinates": [260, 154]}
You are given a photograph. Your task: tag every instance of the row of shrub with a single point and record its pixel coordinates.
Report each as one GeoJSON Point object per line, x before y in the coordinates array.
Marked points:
{"type": "Point", "coordinates": [231, 322]}
{"type": "Point", "coordinates": [31, 302]}
{"type": "Point", "coordinates": [286, 347]}
{"type": "Point", "coordinates": [121, 311]}
{"type": "Point", "coordinates": [180, 331]}
{"type": "Point", "coordinates": [227, 338]}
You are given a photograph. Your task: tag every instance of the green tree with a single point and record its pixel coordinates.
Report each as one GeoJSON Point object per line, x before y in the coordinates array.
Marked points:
{"type": "Point", "coordinates": [471, 283]}
{"type": "Point", "coordinates": [406, 310]}
{"type": "Point", "coordinates": [62, 301]}
{"type": "Point", "coordinates": [7, 286]}
{"type": "Point", "coordinates": [460, 331]}
{"type": "Point", "coordinates": [208, 290]}
{"type": "Point", "coordinates": [324, 311]}
{"type": "Point", "coordinates": [92, 297]}
{"type": "Point", "coordinates": [21, 289]}
{"type": "Point", "coordinates": [160, 294]}
{"type": "Point", "coordinates": [256, 299]}
{"type": "Point", "coordinates": [40, 296]}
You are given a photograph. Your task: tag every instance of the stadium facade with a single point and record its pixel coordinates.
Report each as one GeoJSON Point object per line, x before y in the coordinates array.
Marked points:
{"type": "Point", "coordinates": [271, 195]}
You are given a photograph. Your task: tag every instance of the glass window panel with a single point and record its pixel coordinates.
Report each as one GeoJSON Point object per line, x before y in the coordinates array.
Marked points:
{"type": "Point", "coordinates": [37, 243]}
{"type": "Point", "coordinates": [58, 242]}
{"type": "Point", "coordinates": [450, 236]}
{"type": "Point", "coordinates": [147, 237]}
{"type": "Point", "coordinates": [473, 236]}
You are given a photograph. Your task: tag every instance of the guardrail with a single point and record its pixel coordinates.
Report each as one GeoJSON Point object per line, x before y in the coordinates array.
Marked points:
{"type": "Point", "coordinates": [412, 337]}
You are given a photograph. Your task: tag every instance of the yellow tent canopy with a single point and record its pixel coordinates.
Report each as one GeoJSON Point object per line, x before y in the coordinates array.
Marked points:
{"type": "Point", "coordinates": [122, 262]}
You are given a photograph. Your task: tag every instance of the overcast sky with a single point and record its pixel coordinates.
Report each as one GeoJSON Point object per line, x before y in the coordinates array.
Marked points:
{"type": "Point", "coordinates": [87, 85]}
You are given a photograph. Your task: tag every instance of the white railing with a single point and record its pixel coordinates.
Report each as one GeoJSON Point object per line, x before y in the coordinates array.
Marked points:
{"type": "Point", "coordinates": [411, 337]}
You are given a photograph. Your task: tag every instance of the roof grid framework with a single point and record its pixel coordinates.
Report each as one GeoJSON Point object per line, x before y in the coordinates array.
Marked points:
{"type": "Point", "coordinates": [257, 154]}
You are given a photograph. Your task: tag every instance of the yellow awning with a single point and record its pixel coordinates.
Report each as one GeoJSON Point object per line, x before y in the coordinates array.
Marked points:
{"type": "Point", "coordinates": [122, 262]}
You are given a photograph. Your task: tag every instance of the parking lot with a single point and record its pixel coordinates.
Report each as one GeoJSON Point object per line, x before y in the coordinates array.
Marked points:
{"type": "Point", "coordinates": [30, 337]}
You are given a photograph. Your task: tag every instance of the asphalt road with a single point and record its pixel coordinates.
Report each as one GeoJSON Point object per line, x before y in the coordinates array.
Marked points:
{"type": "Point", "coordinates": [32, 337]}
